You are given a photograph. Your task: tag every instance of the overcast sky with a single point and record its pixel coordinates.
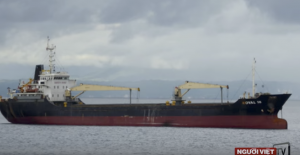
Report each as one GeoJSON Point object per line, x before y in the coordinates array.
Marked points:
{"type": "Point", "coordinates": [208, 40]}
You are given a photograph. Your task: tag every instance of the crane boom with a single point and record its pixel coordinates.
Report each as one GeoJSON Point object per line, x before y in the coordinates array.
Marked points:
{"type": "Point", "coordinates": [86, 87]}
{"type": "Point", "coordinates": [25, 85]}
{"type": "Point", "coordinates": [196, 85]}
{"type": "Point", "coordinates": [78, 95]}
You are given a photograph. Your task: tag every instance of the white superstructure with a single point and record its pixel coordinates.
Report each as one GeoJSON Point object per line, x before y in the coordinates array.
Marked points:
{"type": "Point", "coordinates": [54, 85]}
{"type": "Point", "coordinates": [50, 84]}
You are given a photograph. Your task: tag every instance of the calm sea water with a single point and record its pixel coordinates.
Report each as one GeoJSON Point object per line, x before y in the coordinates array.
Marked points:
{"type": "Point", "coordinates": [104, 140]}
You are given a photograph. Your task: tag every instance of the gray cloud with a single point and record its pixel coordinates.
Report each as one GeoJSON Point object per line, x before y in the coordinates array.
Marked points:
{"type": "Point", "coordinates": [41, 11]}
{"type": "Point", "coordinates": [59, 18]}
{"type": "Point", "coordinates": [283, 11]}
{"type": "Point", "coordinates": [159, 39]}
{"type": "Point", "coordinates": [163, 13]}
{"type": "Point", "coordinates": [139, 17]}
{"type": "Point", "coordinates": [41, 18]}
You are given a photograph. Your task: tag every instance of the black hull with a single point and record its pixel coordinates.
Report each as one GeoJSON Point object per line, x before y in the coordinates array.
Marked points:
{"type": "Point", "coordinates": [244, 113]}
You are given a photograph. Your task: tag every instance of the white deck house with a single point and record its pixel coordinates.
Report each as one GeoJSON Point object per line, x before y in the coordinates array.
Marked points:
{"type": "Point", "coordinates": [51, 84]}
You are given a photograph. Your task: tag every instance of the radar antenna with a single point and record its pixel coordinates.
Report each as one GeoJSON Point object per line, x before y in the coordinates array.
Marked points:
{"type": "Point", "coordinates": [51, 55]}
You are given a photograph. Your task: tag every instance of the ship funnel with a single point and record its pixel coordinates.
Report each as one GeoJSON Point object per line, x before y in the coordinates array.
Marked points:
{"type": "Point", "coordinates": [38, 71]}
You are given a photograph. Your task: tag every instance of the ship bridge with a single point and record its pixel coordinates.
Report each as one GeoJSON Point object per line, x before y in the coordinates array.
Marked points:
{"type": "Point", "coordinates": [55, 84]}
{"type": "Point", "coordinates": [46, 83]}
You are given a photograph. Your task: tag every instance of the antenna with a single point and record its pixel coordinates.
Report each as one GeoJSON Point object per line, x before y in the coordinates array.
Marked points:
{"type": "Point", "coordinates": [51, 55]}
{"type": "Point", "coordinates": [253, 77]}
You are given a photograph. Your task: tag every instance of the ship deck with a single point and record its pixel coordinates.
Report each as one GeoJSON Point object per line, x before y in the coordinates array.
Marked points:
{"type": "Point", "coordinates": [148, 104]}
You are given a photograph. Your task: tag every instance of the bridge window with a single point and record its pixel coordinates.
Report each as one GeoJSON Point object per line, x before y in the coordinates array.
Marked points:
{"type": "Point", "coordinates": [57, 95]}
{"type": "Point", "coordinates": [52, 95]}
{"type": "Point", "coordinates": [58, 78]}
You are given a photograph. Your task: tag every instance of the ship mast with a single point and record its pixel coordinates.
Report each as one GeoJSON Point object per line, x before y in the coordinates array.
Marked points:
{"type": "Point", "coordinates": [51, 55]}
{"type": "Point", "coordinates": [253, 77]}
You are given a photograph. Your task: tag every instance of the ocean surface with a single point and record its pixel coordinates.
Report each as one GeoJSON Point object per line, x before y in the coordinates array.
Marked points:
{"type": "Point", "coordinates": [105, 140]}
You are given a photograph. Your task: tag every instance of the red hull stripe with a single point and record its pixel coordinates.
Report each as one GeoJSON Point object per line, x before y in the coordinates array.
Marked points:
{"type": "Point", "coordinates": [255, 122]}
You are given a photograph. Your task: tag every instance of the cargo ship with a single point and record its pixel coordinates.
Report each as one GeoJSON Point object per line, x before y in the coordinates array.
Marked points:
{"type": "Point", "coordinates": [47, 99]}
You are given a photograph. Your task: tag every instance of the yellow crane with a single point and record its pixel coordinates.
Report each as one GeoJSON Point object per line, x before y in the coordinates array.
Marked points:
{"type": "Point", "coordinates": [195, 85]}
{"type": "Point", "coordinates": [87, 87]}
{"type": "Point", "coordinates": [25, 85]}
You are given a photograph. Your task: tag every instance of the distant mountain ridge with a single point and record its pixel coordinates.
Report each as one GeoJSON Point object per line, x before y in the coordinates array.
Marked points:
{"type": "Point", "coordinates": [164, 89]}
